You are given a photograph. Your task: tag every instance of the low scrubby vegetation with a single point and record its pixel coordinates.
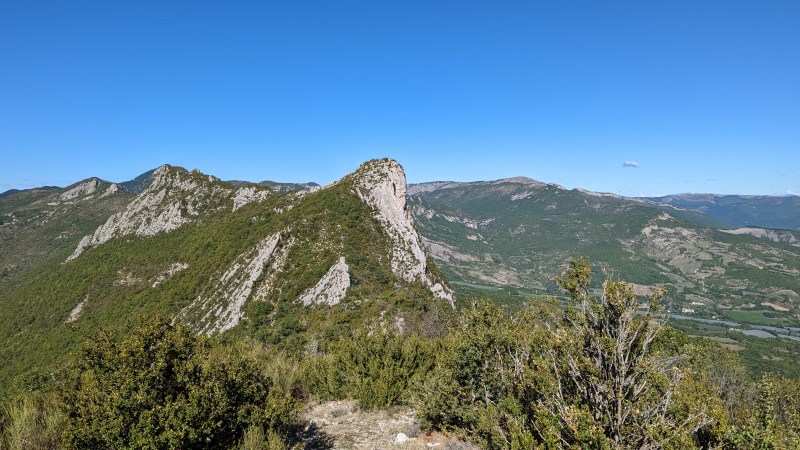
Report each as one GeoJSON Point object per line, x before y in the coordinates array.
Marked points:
{"type": "Point", "coordinates": [604, 373]}
{"type": "Point", "coordinates": [160, 387]}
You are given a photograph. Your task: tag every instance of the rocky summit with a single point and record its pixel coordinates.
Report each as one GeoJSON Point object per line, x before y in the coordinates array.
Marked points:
{"type": "Point", "coordinates": [284, 268]}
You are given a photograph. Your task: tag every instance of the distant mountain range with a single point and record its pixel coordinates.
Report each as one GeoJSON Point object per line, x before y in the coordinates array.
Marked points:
{"type": "Point", "coordinates": [735, 211]}
{"type": "Point", "coordinates": [518, 234]}
{"type": "Point", "coordinates": [715, 210]}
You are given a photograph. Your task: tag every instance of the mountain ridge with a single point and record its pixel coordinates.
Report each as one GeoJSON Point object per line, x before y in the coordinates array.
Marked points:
{"type": "Point", "coordinates": [700, 208]}
{"type": "Point", "coordinates": [774, 212]}
{"type": "Point", "coordinates": [288, 270]}
{"type": "Point", "coordinates": [501, 234]}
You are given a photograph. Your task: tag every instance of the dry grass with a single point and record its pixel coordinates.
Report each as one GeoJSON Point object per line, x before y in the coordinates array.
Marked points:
{"type": "Point", "coordinates": [775, 307]}
{"type": "Point", "coordinates": [31, 424]}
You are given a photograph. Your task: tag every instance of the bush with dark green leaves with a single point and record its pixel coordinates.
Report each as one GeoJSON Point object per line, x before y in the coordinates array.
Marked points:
{"type": "Point", "coordinates": [378, 369]}
{"type": "Point", "coordinates": [773, 420]}
{"type": "Point", "coordinates": [488, 375]}
{"type": "Point", "coordinates": [602, 374]}
{"type": "Point", "coordinates": [165, 387]}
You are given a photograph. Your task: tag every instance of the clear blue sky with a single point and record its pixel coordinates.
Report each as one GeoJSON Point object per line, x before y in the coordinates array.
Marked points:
{"type": "Point", "coordinates": [703, 95]}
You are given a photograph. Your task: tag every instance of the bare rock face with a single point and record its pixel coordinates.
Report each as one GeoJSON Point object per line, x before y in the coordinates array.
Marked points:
{"type": "Point", "coordinates": [382, 185]}
{"type": "Point", "coordinates": [223, 304]}
{"type": "Point", "coordinates": [170, 272]}
{"type": "Point", "coordinates": [250, 194]}
{"type": "Point", "coordinates": [77, 310]}
{"type": "Point", "coordinates": [786, 237]}
{"type": "Point", "coordinates": [112, 189]}
{"type": "Point", "coordinates": [85, 188]}
{"type": "Point", "coordinates": [331, 288]}
{"type": "Point", "coordinates": [174, 198]}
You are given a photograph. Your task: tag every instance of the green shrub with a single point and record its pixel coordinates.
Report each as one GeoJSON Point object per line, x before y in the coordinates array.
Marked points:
{"type": "Point", "coordinates": [377, 369]}
{"type": "Point", "coordinates": [256, 439]}
{"type": "Point", "coordinates": [165, 387]}
{"type": "Point", "coordinates": [486, 377]}
{"type": "Point", "coordinates": [587, 377]}
{"type": "Point", "coordinates": [773, 421]}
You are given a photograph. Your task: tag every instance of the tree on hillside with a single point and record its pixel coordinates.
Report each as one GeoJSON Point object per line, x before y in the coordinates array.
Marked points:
{"type": "Point", "coordinates": [611, 389]}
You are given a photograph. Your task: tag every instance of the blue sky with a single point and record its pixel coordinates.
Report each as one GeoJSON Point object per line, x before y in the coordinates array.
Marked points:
{"type": "Point", "coordinates": [703, 95]}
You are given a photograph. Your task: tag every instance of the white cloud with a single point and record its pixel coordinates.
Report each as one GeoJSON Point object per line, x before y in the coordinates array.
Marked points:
{"type": "Point", "coordinates": [630, 164]}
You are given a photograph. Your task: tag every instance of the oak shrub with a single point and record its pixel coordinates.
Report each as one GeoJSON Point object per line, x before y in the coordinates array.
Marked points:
{"type": "Point", "coordinates": [166, 387]}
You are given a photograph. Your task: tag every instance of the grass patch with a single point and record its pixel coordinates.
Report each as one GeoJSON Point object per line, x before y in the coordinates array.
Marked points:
{"type": "Point", "coordinates": [755, 317]}
{"type": "Point", "coordinates": [721, 340]}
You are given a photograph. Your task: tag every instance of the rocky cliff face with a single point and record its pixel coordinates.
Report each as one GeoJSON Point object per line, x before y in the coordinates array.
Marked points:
{"type": "Point", "coordinates": [783, 236]}
{"type": "Point", "coordinates": [382, 185]}
{"type": "Point", "coordinates": [331, 288]}
{"type": "Point", "coordinates": [222, 305]}
{"type": "Point", "coordinates": [174, 198]}
{"type": "Point", "coordinates": [171, 201]}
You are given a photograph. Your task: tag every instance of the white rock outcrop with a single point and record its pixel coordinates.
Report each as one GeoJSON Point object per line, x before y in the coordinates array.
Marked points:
{"type": "Point", "coordinates": [331, 288]}
{"type": "Point", "coordinates": [126, 279]}
{"type": "Point", "coordinates": [170, 272]}
{"type": "Point", "coordinates": [786, 237]}
{"type": "Point", "coordinates": [274, 269]}
{"type": "Point", "coordinates": [382, 185]}
{"type": "Point", "coordinates": [522, 195]}
{"type": "Point", "coordinates": [223, 305]}
{"type": "Point", "coordinates": [173, 199]}
{"type": "Point", "coordinates": [250, 194]}
{"type": "Point", "coordinates": [87, 187]}
{"type": "Point", "coordinates": [112, 189]}
{"type": "Point", "coordinates": [77, 310]}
